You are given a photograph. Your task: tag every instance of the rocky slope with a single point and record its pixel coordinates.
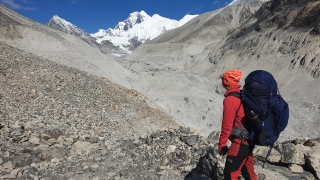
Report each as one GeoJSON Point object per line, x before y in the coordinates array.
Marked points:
{"type": "Point", "coordinates": [42, 101]}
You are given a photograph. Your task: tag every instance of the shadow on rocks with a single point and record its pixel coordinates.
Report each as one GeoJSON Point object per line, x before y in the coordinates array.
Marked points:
{"type": "Point", "coordinates": [208, 168]}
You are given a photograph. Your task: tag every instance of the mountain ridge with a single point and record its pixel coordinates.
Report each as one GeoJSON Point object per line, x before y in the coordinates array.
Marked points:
{"type": "Point", "coordinates": [138, 28]}
{"type": "Point", "coordinates": [127, 35]}
{"type": "Point", "coordinates": [62, 25]}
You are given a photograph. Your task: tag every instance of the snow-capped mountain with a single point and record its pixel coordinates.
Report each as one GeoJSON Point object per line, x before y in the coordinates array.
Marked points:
{"type": "Point", "coordinates": [138, 28]}
{"type": "Point", "coordinates": [62, 25]}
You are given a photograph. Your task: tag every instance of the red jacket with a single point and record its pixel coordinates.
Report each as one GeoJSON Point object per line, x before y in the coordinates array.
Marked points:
{"type": "Point", "coordinates": [230, 106]}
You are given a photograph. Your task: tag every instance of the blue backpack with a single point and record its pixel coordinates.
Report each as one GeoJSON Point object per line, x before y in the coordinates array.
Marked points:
{"type": "Point", "coordinates": [266, 110]}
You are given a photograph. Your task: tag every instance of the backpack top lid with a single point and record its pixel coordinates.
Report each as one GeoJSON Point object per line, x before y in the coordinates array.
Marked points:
{"type": "Point", "coordinates": [265, 79]}
{"type": "Point", "coordinates": [259, 86]}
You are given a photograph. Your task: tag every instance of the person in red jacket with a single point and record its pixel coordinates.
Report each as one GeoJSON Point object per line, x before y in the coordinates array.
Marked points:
{"type": "Point", "coordinates": [239, 155]}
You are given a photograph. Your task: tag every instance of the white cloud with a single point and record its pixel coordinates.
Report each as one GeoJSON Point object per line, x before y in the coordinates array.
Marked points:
{"type": "Point", "coordinates": [30, 8]}
{"type": "Point", "coordinates": [11, 4]}
{"type": "Point", "coordinates": [215, 2]}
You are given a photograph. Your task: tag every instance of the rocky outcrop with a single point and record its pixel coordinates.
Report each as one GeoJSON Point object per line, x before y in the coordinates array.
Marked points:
{"type": "Point", "coordinates": [107, 47]}
{"type": "Point", "coordinates": [308, 16]}
{"type": "Point", "coordinates": [312, 159]}
{"type": "Point", "coordinates": [287, 160]}
{"type": "Point", "coordinates": [286, 27]}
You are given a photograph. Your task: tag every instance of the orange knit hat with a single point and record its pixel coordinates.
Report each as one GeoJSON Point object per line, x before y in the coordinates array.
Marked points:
{"type": "Point", "coordinates": [232, 77]}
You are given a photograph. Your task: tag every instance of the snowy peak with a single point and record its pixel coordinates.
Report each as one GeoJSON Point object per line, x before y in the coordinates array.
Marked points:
{"type": "Point", "coordinates": [138, 28]}
{"type": "Point", "coordinates": [185, 19]}
{"type": "Point", "coordinates": [62, 25]}
{"type": "Point", "coordinates": [134, 18]}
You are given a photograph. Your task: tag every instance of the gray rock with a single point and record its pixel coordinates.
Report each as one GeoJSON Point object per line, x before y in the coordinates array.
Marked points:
{"type": "Point", "coordinates": [165, 161]}
{"type": "Point", "coordinates": [53, 152]}
{"type": "Point", "coordinates": [30, 125]}
{"type": "Point", "coordinates": [190, 140]}
{"type": "Point", "coordinates": [291, 154]}
{"type": "Point", "coordinates": [208, 166]}
{"type": "Point", "coordinates": [170, 149]}
{"type": "Point", "coordinates": [214, 137]}
{"type": "Point", "coordinates": [81, 147]}
{"type": "Point", "coordinates": [7, 167]}
{"type": "Point", "coordinates": [34, 140]}
{"type": "Point", "coordinates": [261, 152]}
{"type": "Point", "coordinates": [313, 160]}
{"type": "Point", "coordinates": [16, 171]}
{"type": "Point", "coordinates": [295, 168]}
{"type": "Point", "coordinates": [8, 176]}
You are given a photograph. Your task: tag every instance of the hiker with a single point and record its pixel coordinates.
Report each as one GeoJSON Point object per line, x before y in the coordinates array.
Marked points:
{"type": "Point", "coordinates": [239, 155]}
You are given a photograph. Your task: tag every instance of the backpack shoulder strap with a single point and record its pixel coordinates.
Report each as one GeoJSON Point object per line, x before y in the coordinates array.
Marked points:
{"type": "Point", "coordinates": [244, 134]}
{"type": "Point", "coordinates": [238, 95]}
{"type": "Point", "coordinates": [235, 94]}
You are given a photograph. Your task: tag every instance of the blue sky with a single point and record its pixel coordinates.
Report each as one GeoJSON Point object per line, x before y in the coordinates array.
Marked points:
{"type": "Point", "coordinates": [92, 15]}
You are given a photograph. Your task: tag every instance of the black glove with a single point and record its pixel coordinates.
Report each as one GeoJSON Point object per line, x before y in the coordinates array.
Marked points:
{"type": "Point", "coordinates": [223, 151]}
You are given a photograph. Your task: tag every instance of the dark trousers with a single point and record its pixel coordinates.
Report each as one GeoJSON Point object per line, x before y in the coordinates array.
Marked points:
{"type": "Point", "coordinates": [240, 160]}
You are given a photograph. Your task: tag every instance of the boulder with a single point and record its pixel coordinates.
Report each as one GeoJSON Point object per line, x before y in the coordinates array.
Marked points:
{"type": "Point", "coordinates": [291, 154]}
{"type": "Point", "coordinates": [313, 160]}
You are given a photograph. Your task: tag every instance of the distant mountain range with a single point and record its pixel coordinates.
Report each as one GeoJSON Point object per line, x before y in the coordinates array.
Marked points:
{"type": "Point", "coordinates": [127, 35]}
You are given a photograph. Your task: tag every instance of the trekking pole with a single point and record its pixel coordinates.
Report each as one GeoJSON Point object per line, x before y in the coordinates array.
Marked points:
{"type": "Point", "coordinates": [269, 152]}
